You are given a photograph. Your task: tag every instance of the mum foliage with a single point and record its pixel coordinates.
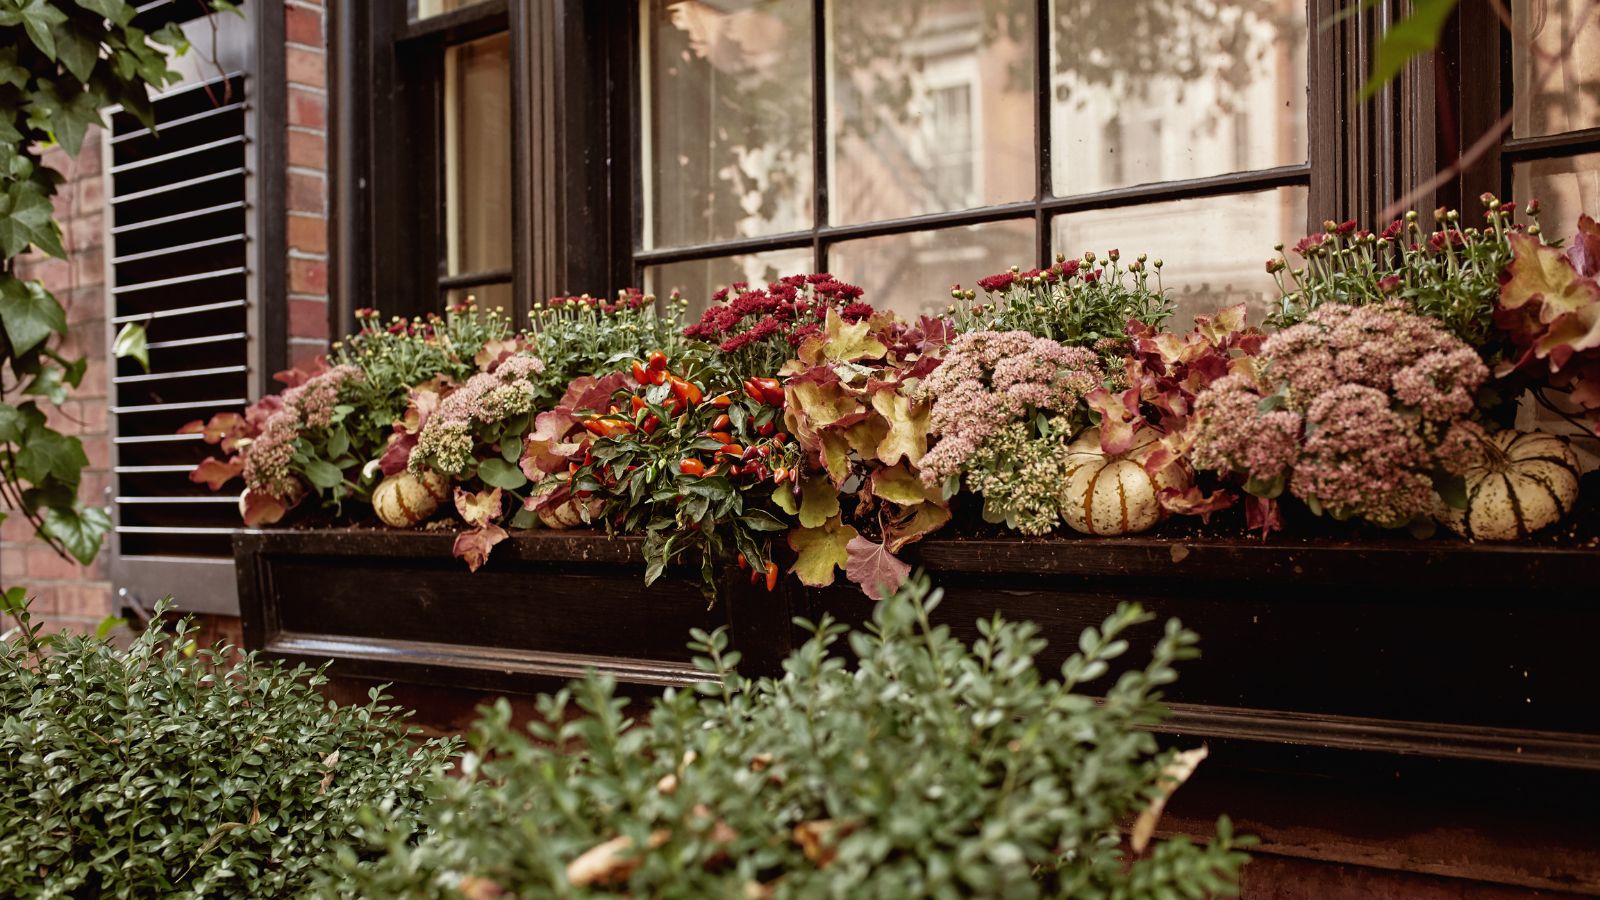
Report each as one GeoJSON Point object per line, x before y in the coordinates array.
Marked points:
{"type": "Point", "coordinates": [160, 770]}
{"type": "Point", "coordinates": [921, 767]}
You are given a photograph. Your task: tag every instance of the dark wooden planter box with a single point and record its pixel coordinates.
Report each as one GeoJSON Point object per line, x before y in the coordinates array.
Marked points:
{"type": "Point", "coordinates": [1365, 671]}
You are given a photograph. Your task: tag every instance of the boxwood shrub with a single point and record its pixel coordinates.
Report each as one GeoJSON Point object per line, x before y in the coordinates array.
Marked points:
{"type": "Point", "coordinates": [163, 770]}
{"type": "Point", "coordinates": [912, 766]}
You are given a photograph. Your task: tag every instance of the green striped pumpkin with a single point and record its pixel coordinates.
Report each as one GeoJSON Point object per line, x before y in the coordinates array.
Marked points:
{"type": "Point", "coordinates": [1527, 481]}
{"type": "Point", "coordinates": [1112, 494]}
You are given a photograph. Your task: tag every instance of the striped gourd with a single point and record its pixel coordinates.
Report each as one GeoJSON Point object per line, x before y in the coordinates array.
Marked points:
{"type": "Point", "coordinates": [1112, 494]}
{"type": "Point", "coordinates": [404, 499]}
{"type": "Point", "coordinates": [1528, 480]}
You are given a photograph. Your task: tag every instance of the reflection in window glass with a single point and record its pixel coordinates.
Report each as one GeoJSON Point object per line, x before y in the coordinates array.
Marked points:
{"type": "Point", "coordinates": [485, 296]}
{"type": "Point", "coordinates": [698, 279]}
{"type": "Point", "coordinates": [477, 118]}
{"type": "Point", "coordinates": [1146, 92]}
{"type": "Point", "coordinates": [930, 106]}
{"type": "Point", "coordinates": [1213, 249]}
{"type": "Point", "coordinates": [1565, 188]}
{"type": "Point", "coordinates": [422, 9]}
{"type": "Point", "coordinates": [726, 119]}
{"type": "Point", "coordinates": [912, 273]}
{"type": "Point", "coordinates": [1558, 95]}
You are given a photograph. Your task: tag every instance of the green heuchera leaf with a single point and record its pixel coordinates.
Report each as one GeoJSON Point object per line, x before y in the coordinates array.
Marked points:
{"type": "Point", "coordinates": [821, 550]}
{"type": "Point", "coordinates": [819, 502]}
{"type": "Point", "coordinates": [496, 472]}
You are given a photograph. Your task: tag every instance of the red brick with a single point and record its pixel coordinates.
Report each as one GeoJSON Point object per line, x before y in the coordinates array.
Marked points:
{"type": "Point", "coordinates": [304, 354]}
{"type": "Point", "coordinates": [308, 67]}
{"type": "Point", "coordinates": [14, 559]}
{"type": "Point", "coordinates": [85, 337]}
{"type": "Point", "coordinates": [87, 163]}
{"type": "Point", "coordinates": [98, 449]}
{"type": "Point", "coordinates": [91, 196]}
{"type": "Point", "coordinates": [88, 266]}
{"type": "Point", "coordinates": [308, 276]}
{"type": "Point", "coordinates": [55, 273]}
{"type": "Point", "coordinates": [308, 318]}
{"type": "Point", "coordinates": [93, 600]}
{"type": "Point", "coordinates": [46, 564]}
{"type": "Point", "coordinates": [85, 232]}
{"type": "Point", "coordinates": [94, 379]}
{"type": "Point", "coordinates": [308, 234]}
{"type": "Point", "coordinates": [307, 109]}
{"type": "Point", "coordinates": [302, 26]}
{"type": "Point", "coordinates": [15, 527]}
{"type": "Point", "coordinates": [307, 193]}
{"type": "Point", "coordinates": [308, 150]}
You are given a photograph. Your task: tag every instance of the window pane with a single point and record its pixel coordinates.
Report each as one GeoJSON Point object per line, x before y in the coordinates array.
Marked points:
{"type": "Point", "coordinates": [727, 119]}
{"type": "Point", "coordinates": [422, 9]}
{"type": "Point", "coordinates": [1146, 92]}
{"type": "Point", "coordinates": [477, 113]}
{"type": "Point", "coordinates": [1565, 188]}
{"type": "Point", "coordinates": [912, 273]}
{"type": "Point", "coordinates": [485, 296]}
{"type": "Point", "coordinates": [698, 279]}
{"type": "Point", "coordinates": [930, 106]}
{"type": "Point", "coordinates": [1559, 95]}
{"type": "Point", "coordinates": [1213, 249]}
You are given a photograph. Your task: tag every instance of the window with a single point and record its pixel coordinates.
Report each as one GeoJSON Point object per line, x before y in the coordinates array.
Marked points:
{"type": "Point", "coordinates": [903, 145]}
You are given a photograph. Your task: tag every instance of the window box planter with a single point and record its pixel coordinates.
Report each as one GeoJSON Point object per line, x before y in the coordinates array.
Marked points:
{"type": "Point", "coordinates": [1439, 649]}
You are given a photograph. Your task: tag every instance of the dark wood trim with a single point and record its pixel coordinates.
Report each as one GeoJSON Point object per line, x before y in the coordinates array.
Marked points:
{"type": "Point", "coordinates": [1548, 146]}
{"type": "Point", "coordinates": [466, 23]}
{"type": "Point", "coordinates": [271, 139]}
{"type": "Point", "coordinates": [349, 172]}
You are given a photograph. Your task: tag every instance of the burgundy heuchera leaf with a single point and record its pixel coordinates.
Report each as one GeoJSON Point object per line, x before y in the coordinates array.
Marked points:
{"type": "Point", "coordinates": [1119, 418]}
{"type": "Point", "coordinates": [872, 566]}
{"type": "Point", "coordinates": [474, 546]}
{"type": "Point", "coordinates": [214, 472]}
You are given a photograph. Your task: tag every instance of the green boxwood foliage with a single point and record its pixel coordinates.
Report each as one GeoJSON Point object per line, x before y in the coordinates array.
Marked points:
{"type": "Point", "coordinates": [925, 768]}
{"type": "Point", "coordinates": [162, 771]}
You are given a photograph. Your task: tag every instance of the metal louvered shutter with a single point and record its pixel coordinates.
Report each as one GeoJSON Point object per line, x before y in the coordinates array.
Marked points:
{"type": "Point", "coordinates": [179, 239]}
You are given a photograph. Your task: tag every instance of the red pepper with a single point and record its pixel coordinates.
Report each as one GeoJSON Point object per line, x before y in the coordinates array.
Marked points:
{"type": "Point", "coordinates": [779, 474]}
{"type": "Point", "coordinates": [771, 391]}
{"type": "Point", "coordinates": [658, 376]}
{"type": "Point", "coordinates": [658, 361]}
{"type": "Point", "coordinates": [636, 401]}
{"type": "Point", "coordinates": [692, 467]}
{"type": "Point", "coordinates": [753, 390]}
{"type": "Point", "coordinates": [721, 423]}
{"type": "Point", "coordinates": [779, 438]}
{"type": "Point", "coordinates": [721, 437]}
{"type": "Point", "coordinates": [772, 575]}
{"type": "Point", "coordinates": [651, 423]}
{"type": "Point", "coordinates": [767, 429]}
{"type": "Point", "coordinates": [743, 563]}
{"type": "Point", "coordinates": [763, 450]}
{"type": "Point", "coordinates": [639, 373]}
{"type": "Point", "coordinates": [597, 427]}
{"type": "Point", "coordinates": [695, 394]}
{"type": "Point", "coordinates": [733, 450]}
{"type": "Point", "coordinates": [722, 401]}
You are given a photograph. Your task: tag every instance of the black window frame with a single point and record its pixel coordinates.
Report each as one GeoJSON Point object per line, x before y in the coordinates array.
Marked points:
{"type": "Point", "coordinates": [577, 137]}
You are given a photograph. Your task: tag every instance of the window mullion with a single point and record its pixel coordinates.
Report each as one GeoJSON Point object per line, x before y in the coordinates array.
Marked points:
{"type": "Point", "coordinates": [820, 141]}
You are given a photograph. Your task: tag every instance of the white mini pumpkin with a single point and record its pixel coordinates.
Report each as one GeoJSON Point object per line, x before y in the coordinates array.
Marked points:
{"type": "Point", "coordinates": [564, 515]}
{"type": "Point", "coordinates": [404, 499]}
{"type": "Point", "coordinates": [1528, 480]}
{"type": "Point", "coordinates": [1113, 494]}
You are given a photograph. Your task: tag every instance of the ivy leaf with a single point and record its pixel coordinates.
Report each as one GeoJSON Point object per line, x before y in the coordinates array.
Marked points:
{"type": "Point", "coordinates": [821, 551]}
{"type": "Point", "coordinates": [132, 343]}
{"type": "Point", "coordinates": [15, 422]}
{"type": "Point", "coordinates": [26, 217]}
{"type": "Point", "coordinates": [908, 428]}
{"type": "Point", "coordinates": [45, 453]}
{"type": "Point", "coordinates": [10, 72]}
{"type": "Point", "coordinates": [474, 546]}
{"type": "Point", "coordinates": [478, 509]}
{"type": "Point", "coordinates": [117, 11]}
{"type": "Point", "coordinates": [77, 51]}
{"type": "Point", "coordinates": [38, 18]}
{"type": "Point", "coordinates": [67, 114]}
{"type": "Point", "coordinates": [819, 502]}
{"type": "Point", "coordinates": [497, 473]}
{"type": "Point", "coordinates": [78, 529]}
{"type": "Point", "coordinates": [1410, 37]}
{"type": "Point", "coordinates": [871, 565]}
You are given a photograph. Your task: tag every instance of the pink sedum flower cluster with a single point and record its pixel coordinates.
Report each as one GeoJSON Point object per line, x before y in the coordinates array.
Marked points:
{"type": "Point", "coordinates": [307, 406]}
{"type": "Point", "coordinates": [1354, 410]}
{"type": "Point", "coordinates": [992, 379]}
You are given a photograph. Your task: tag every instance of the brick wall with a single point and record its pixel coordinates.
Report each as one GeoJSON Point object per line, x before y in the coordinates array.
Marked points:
{"type": "Point", "coordinates": [305, 32]}
{"type": "Point", "coordinates": [65, 594]}
{"type": "Point", "coordinates": [79, 597]}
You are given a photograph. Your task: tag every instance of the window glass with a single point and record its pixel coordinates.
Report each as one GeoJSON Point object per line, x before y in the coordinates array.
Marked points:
{"type": "Point", "coordinates": [1558, 94]}
{"type": "Point", "coordinates": [1146, 92]}
{"type": "Point", "coordinates": [698, 279]}
{"type": "Point", "coordinates": [477, 114]}
{"type": "Point", "coordinates": [1565, 188]}
{"type": "Point", "coordinates": [930, 106]}
{"type": "Point", "coordinates": [486, 296]}
{"type": "Point", "coordinates": [727, 119]}
{"type": "Point", "coordinates": [1213, 249]}
{"type": "Point", "coordinates": [422, 9]}
{"type": "Point", "coordinates": [912, 273]}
